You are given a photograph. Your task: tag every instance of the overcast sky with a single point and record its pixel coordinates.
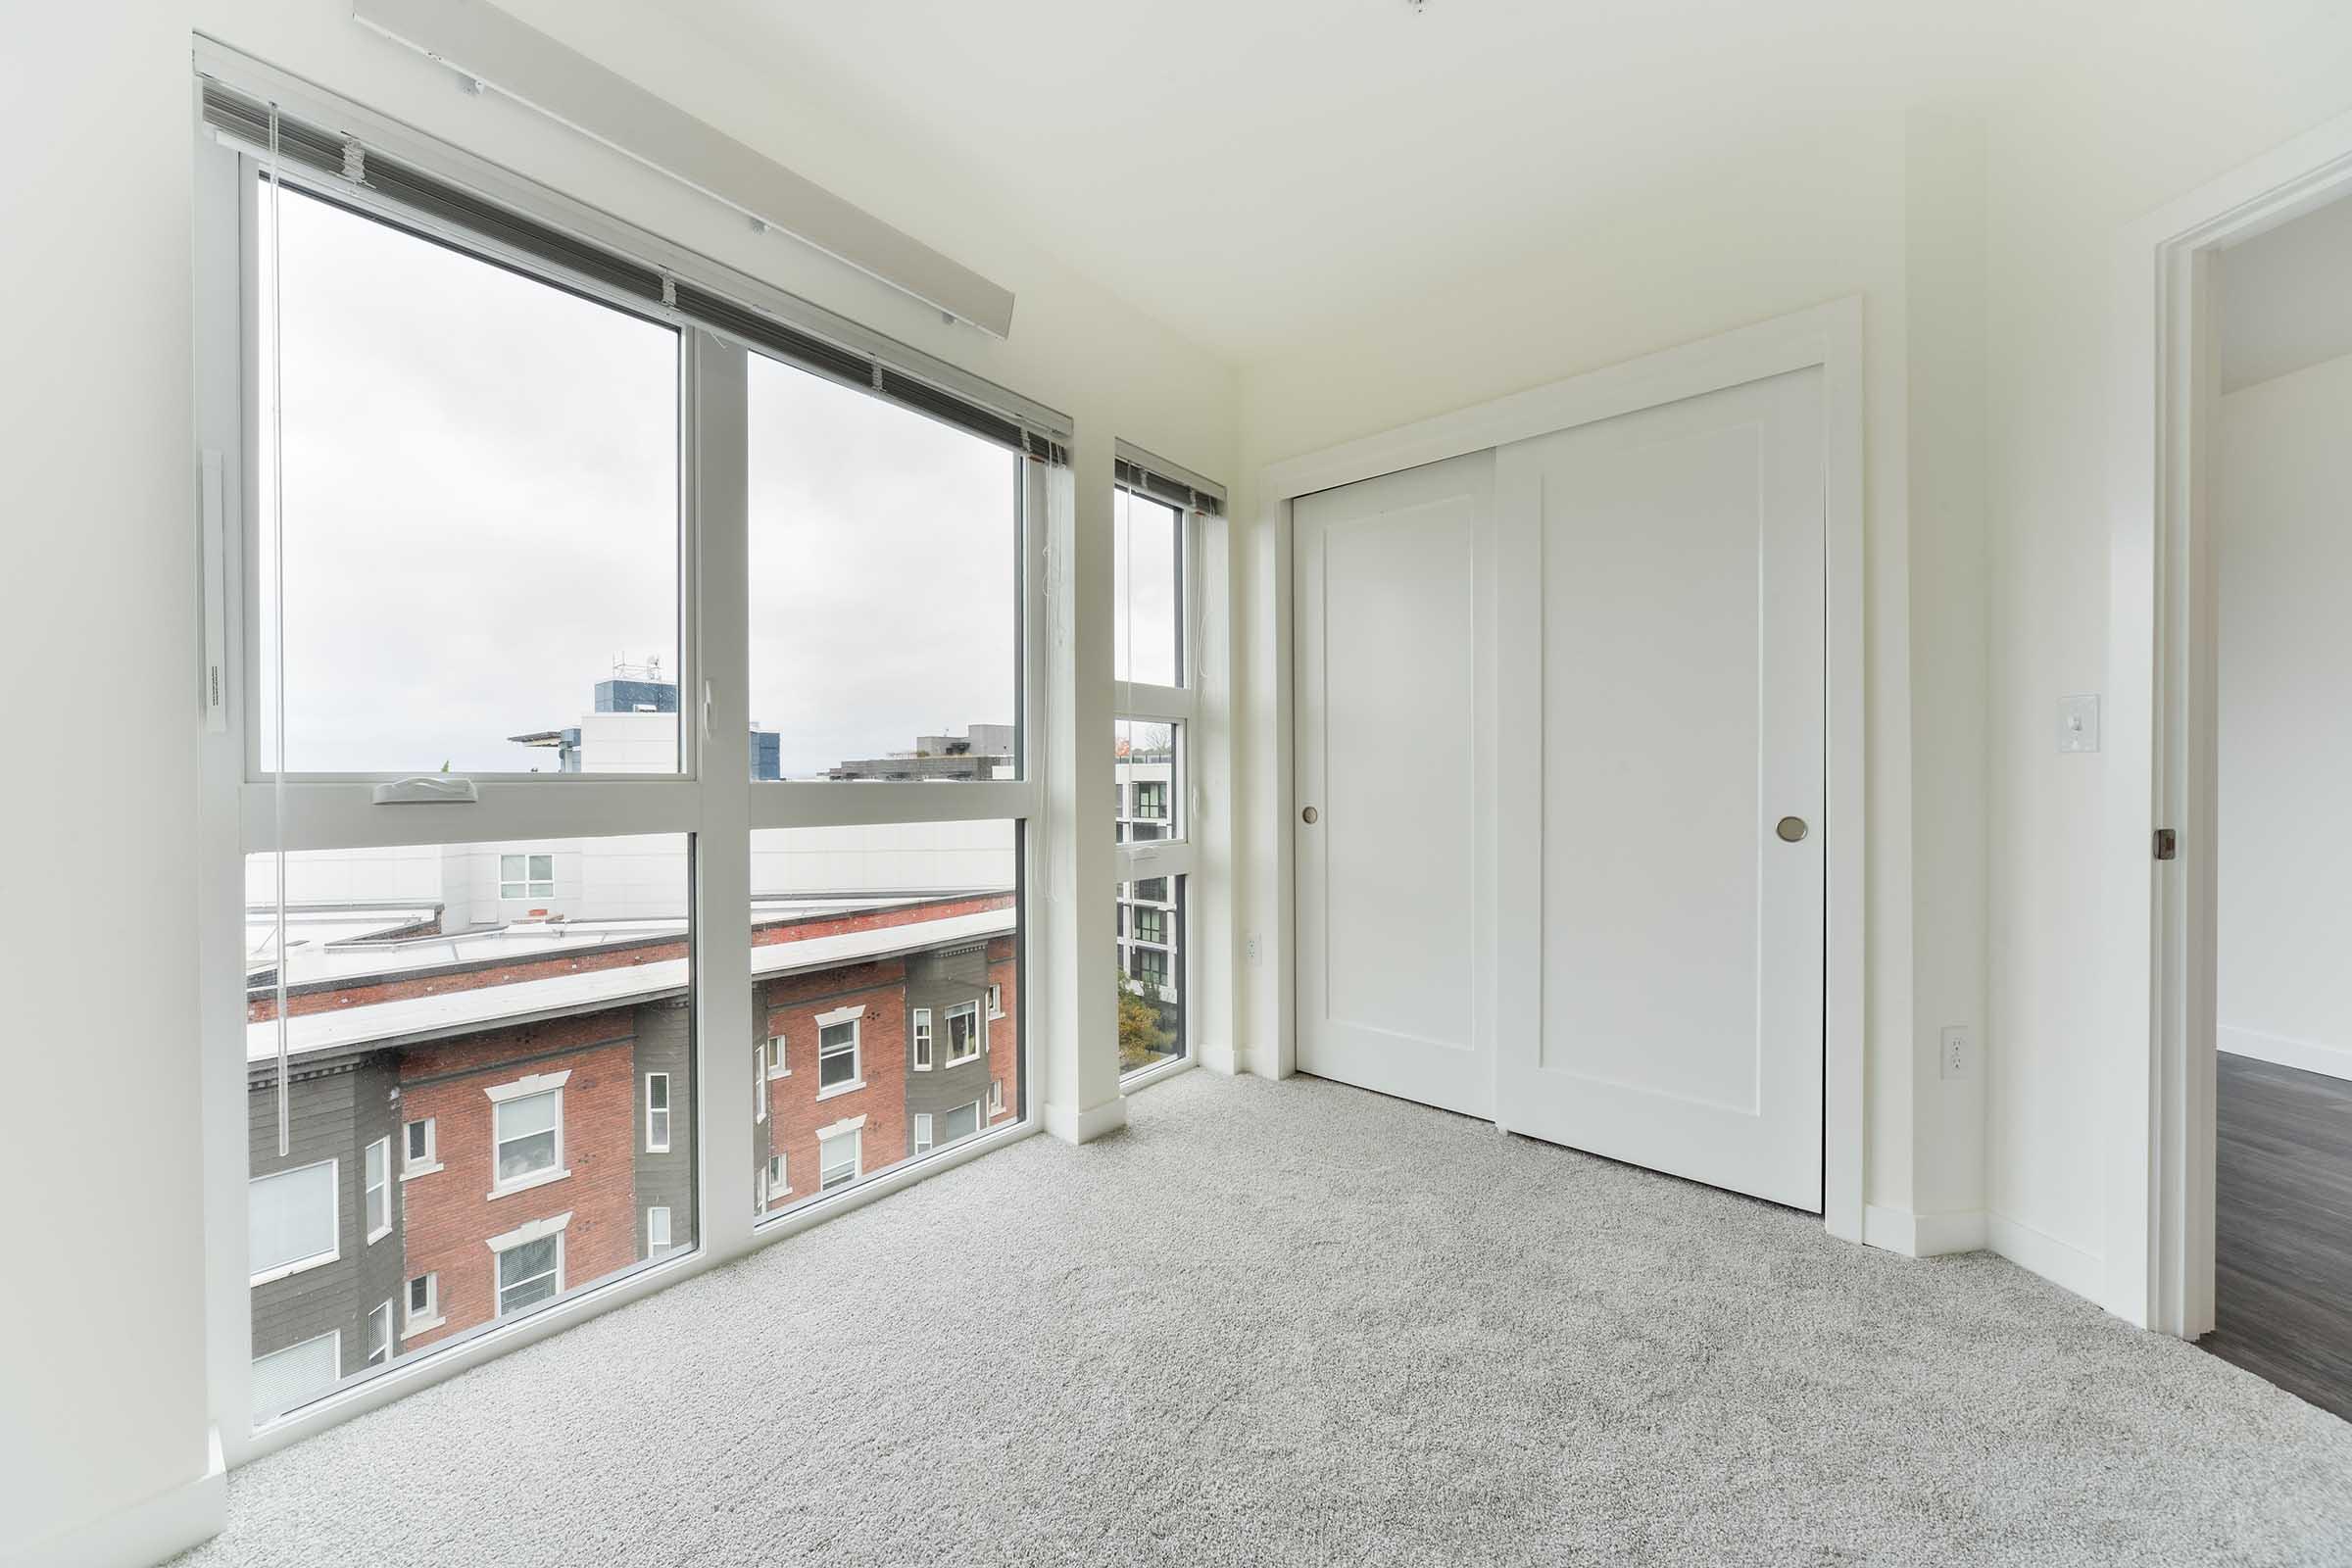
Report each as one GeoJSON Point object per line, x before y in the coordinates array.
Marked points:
{"type": "Point", "coordinates": [481, 516]}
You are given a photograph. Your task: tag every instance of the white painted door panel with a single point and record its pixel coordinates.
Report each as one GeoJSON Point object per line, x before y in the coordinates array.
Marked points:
{"type": "Point", "coordinates": [1661, 708]}
{"type": "Point", "coordinates": [1395, 744]}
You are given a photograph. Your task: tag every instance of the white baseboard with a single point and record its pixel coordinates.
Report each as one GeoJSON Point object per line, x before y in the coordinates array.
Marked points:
{"type": "Point", "coordinates": [1890, 1230]}
{"type": "Point", "coordinates": [2062, 1263]}
{"type": "Point", "coordinates": [1899, 1229]}
{"type": "Point", "coordinates": [144, 1534]}
{"type": "Point", "coordinates": [2309, 1055]}
{"type": "Point", "coordinates": [1084, 1126]}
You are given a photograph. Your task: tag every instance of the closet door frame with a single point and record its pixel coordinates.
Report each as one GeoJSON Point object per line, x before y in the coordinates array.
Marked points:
{"type": "Point", "coordinates": [1829, 336]}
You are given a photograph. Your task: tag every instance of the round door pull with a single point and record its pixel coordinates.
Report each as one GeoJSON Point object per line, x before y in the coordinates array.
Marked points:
{"type": "Point", "coordinates": [1791, 829]}
{"type": "Point", "coordinates": [1309, 816]}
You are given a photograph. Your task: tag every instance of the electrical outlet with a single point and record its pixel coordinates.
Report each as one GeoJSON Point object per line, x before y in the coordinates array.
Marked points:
{"type": "Point", "coordinates": [1254, 950]}
{"type": "Point", "coordinates": [1956, 1054]}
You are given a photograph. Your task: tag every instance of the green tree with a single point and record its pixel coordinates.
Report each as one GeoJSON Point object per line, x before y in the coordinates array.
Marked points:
{"type": "Point", "coordinates": [1142, 1035]}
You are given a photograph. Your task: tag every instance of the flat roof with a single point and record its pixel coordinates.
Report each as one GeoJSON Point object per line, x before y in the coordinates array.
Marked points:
{"type": "Point", "coordinates": [412, 1020]}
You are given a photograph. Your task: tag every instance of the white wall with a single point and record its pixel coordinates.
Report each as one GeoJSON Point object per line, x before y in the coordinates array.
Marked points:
{"type": "Point", "coordinates": [2282, 554]}
{"type": "Point", "coordinates": [103, 1316]}
{"type": "Point", "coordinates": [1780, 222]}
{"type": "Point", "coordinates": [2177, 99]}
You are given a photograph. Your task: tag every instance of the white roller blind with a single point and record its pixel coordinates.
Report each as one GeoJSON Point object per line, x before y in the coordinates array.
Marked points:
{"type": "Point", "coordinates": [291, 1216]}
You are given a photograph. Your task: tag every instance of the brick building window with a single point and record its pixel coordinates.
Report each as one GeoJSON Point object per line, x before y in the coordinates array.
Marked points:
{"type": "Point", "coordinates": [996, 1002]}
{"type": "Point", "coordinates": [778, 1186]}
{"type": "Point", "coordinates": [837, 1048]}
{"type": "Point", "coordinates": [530, 1264]}
{"type": "Point", "coordinates": [779, 1065]}
{"type": "Point", "coordinates": [424, 1302]}
{"type": "Point", "coordinates": [529, 1132]}
{"type": "Point", "coordinates": [837, 1158]}
{"type": "Point", "coordinates": [995, 1097]}
{"type": "Point", "coordinates": [419, 1149]}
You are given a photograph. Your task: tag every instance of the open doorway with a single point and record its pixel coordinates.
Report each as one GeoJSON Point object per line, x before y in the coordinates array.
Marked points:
{"type": "Point", "coordinates": [2280, 552]}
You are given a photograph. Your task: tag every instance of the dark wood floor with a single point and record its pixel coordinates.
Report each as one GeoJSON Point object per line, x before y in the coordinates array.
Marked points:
{"type": "Point", "coordinates": [2282, 1228]}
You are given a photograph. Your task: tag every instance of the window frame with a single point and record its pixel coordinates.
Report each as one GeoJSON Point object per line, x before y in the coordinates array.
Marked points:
{"type": "Point", "coordinates": [534, 1086]}
{"type": "Point", "coordinates": [854, 1130]}
{"type": "Point", "coordinates": [531, 885]}
{"type": "Point", "coordinates": [370, 1354]}
{"type": "Point", "coordinates": [919, 1030]}
{"type": "Point", "coordinates": [666, 1111]}
{"type": "Point", "coordinates": [710, 798]}
{"type": "Point", "coordinates": [778, 1063]}
{"type": "Point", "coordinates": [1175, 855]}
{"type": "Point", "coordinates": [855, 1018]}
{"type": "Point", "coordinates": [373, 1189]}
{"type": "Point", "coordinates": [335, 1208]}
{"type": "Point", "coordinates": [663, 1209]}
{"type": "Point", "coordinates": [529, 1234]}
{"type": "Point", "coordinates": [431, 1160]}
{"type": "Point", "coordinates": [976, 1037]}
{"type": "Point", "coordinates": [413, 1321]}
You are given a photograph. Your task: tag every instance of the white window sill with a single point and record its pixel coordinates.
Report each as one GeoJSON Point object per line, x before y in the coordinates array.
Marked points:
{"type": "Point", "coordinates": [422, 1325]}
{"type": "Point", "coordinates": [963, 1062]}
{"type": "Point", "coordinates": [421, 1171]}
{"type": "Point", "coordinates": [374, 1237]}
{"type": "Point", "coordinates": [292, 1270]}
{"type": "Point", "coordinates": [850, 1088]}
{"type": "Point", "coordinates": [775, 1073]}
{"type": "Point", "coordinates": [657, 1148]}
{"type": "Point", "coordinates": [527, 1183]}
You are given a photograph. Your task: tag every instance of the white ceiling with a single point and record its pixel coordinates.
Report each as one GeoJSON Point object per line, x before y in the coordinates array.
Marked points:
{"type": "Point", "coordinates": [1258, 171]}
{"type": "Point", "coordinates": [2286, 297]}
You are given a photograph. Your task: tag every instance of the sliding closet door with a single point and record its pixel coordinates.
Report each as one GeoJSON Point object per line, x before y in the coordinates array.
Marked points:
{"type": "Point", "coordinates": [1393, 773]}
{"type": "Point", "coordinates": [1661, 598]}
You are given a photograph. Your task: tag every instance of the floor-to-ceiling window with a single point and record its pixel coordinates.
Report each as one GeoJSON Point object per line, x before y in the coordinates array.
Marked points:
{"type": "Point", "coordinates": [1155, 671]}
{"type": "Point", "coordinates": [587, 623]}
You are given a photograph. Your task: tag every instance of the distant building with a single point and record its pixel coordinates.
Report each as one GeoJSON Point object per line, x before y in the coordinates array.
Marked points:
{"type": "Point", "coordinates": [633, 728]}
{"type": "Point", "coordinates": [982, 752]}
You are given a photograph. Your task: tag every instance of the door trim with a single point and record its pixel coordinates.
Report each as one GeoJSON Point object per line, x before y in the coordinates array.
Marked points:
{"type": "Point", "coordinates": [1828, 335]}
{"type": "Point", "coordinates": [2156, 1064]}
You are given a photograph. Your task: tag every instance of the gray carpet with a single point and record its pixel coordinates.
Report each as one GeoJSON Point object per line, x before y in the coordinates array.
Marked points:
{"type": "Point", "coordinates": [1295, 1323]}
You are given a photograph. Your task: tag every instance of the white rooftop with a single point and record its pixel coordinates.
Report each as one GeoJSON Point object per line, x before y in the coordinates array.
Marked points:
{"type": "Point", "coordinates": [461, 1011]}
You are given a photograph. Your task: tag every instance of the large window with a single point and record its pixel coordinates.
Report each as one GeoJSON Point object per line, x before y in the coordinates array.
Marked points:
{"type": "Point", "coordinates": [496, 1056]}
{"type": "Point", "coordinates": [488, 601]}
{"type": "Point", "coordinates": [886, 609]}
{"type": "Point", "coordinates": [884, 944]}
{"type": "Point", "coordinates": [452, 428]}
{"type": "Point", "coordinates": [1156, 687]}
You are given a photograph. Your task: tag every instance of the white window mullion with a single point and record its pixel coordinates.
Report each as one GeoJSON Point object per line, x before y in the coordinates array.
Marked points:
{"type": "Point", "coordinates": [718, 664]}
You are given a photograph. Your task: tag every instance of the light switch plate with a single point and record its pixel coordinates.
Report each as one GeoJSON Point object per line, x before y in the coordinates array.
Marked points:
{"type": "Point", "coordinates": [2079, 724]}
